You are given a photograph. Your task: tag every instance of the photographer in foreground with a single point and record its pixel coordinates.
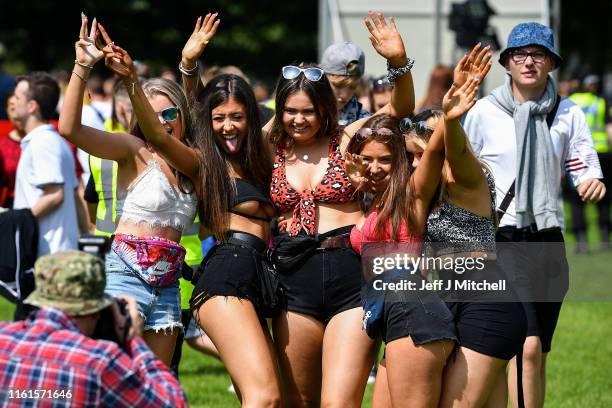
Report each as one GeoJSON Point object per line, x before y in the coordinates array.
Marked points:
{"type": "Point", "coordinates": [57, 344]}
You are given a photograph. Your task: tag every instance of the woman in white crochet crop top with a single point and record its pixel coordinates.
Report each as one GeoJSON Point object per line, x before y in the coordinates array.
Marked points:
{"type": "Point", "coordinates": [155, 202]}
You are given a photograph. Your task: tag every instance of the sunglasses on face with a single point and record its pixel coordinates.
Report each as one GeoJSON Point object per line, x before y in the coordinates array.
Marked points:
{"type": "Point", "coordinates": [420, 127]}
{"type": "Point", "coordinates": [364, 133]}
{"type": "Point", "coordinates": [312, 73]}
{"type": "Point", "coordinates": [169, 114]}
{"type": "Point", "coordinates": [520, 56]}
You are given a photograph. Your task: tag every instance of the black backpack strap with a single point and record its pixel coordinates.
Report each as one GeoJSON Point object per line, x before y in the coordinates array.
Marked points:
{"type": "Point", "coordinates": [550, 118]}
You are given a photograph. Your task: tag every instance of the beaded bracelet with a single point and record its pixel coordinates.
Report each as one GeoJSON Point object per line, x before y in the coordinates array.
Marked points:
{"type": "Point", "coordinates": [393, 73]}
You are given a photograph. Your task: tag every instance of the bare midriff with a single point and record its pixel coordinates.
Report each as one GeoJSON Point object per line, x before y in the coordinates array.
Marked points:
{"type": "Point", "coordinates": [143, 229]}
{"type": "Point", "coordinates": [332, 216]}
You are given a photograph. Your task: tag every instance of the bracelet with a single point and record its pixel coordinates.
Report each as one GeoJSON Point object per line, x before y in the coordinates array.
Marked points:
{"type": "Point", "coordinates": [133, 84]}
{"type": "Point", "coordinates": [82, 79]}
{"type": "Point", "coordinates": [188, 72]}
{"type": "Point", "coordinates": [393, 73]}
{"type": "Point", "coordinates": [83, 65]}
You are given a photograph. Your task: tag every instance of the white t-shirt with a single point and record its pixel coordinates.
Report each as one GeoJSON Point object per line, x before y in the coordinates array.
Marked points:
{"type": "Point", "coordinates": [46, 158]}
{"type": "Point", "coordinates": [492, 135]}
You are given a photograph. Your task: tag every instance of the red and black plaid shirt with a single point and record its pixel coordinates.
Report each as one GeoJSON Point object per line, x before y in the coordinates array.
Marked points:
{"type": "Point", "coordinates": [48, 353]}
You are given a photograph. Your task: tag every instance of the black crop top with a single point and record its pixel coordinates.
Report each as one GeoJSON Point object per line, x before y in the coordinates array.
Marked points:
{"type": "Point", "coordinates": [245, 191]}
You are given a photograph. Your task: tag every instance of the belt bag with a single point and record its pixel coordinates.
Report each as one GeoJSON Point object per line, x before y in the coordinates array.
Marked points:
{"type": "Point", "coordinates": [155, 260]}
{"type": "Point", "coordinates": [288, 253]}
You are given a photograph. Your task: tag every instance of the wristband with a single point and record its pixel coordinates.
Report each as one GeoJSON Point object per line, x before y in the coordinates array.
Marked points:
{"type": "Point", "coordinates": [83, 65]}
{"type": "Point", "coordinates": [393, 73]}
{"type": "Point", "coordinates": [188, 72]}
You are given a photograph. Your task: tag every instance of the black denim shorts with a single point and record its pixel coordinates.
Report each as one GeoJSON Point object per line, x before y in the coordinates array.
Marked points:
{"type": "Point", "coordinates": [421, 315]}
{"type": "Point", "coordinates": [326, 283]}
{"type": "Point", "coordinates": [229, 270]}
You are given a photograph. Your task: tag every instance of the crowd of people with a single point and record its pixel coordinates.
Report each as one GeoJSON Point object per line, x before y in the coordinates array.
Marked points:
{"type": "Point", "coordinates": [247, 225]}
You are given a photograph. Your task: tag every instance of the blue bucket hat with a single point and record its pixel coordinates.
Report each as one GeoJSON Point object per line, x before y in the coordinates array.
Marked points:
{"type": "Point", "coordinates": [525, 34]}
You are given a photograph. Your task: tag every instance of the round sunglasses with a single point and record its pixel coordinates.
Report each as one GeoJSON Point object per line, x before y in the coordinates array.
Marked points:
{"type": "Point", "coordinates": [312, 73]}
{"type": "Point", "coordinates": [420, 127]}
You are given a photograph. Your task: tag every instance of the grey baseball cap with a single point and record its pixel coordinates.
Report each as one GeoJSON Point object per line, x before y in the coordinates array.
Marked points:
{"type": "Point", "coordinates": [337, 57]}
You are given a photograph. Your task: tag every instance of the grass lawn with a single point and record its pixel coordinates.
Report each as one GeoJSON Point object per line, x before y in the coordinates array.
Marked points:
{"type": "Point", "coordinates": [578, 366]}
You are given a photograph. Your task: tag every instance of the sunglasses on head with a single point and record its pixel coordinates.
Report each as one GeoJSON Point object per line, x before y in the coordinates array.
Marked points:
{"type": "Point", "coordinates": [312, 73]}
{"type": "Point", "coordinates": [169, 114]}
{"type": "Point", "coordinates": [420, 127]}
{"type": "Point", "coordinates": [364, 133]}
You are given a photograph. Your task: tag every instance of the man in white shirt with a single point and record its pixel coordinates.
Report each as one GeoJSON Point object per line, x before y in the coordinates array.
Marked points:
{"type": "Point", "coordinates": [46, 179]}
{"type": "Point", "coordinates": [509, 131]}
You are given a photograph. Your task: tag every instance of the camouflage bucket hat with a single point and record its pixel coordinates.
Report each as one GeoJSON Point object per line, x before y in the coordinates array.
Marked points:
{"type": "Point", "coordinates": [72, 281]}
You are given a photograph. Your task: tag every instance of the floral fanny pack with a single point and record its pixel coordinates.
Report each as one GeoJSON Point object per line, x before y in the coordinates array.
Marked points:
{"type": "Point", "coordinates": [158, 261]}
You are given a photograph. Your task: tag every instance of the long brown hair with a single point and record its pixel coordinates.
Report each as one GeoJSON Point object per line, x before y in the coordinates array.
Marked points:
{"type": "Point", "coordinates": [396, 203]}
{"type": "Point", "coordinates": [215, 163]}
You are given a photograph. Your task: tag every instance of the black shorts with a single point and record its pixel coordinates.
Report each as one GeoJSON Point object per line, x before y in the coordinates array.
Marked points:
{"type": "Point", "coordinates": [541, 317]}
{"type": "Point", "coordinates": [421, 315]}
{"type": "Point", "coordinates": [230, 269]}
{"type": "Point", "coordinates": [326, 283]}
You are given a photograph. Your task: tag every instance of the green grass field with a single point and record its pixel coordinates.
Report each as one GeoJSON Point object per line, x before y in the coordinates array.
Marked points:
{"type": "Point", "coordinates": [579, 364]}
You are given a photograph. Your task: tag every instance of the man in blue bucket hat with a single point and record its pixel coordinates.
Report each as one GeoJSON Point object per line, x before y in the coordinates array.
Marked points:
{"type": "Point", "coordinates": [529, 136]}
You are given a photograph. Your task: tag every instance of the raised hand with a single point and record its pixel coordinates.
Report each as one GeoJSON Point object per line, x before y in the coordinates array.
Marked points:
{"type": "Point", "coordinates": [86, 52]}
{"type": "Point", "coordinates": [385, 38]}
{"type": "Point", "coordinates": [473, 65]}
{"type": "Point", "coordinates": [458, 101]}
{"type": "Point", "coordinates": [116, 58]}
{"type": "Point", "coordinates": [356, 170]}
{"type": "Point", "coordinates": [203, 32]}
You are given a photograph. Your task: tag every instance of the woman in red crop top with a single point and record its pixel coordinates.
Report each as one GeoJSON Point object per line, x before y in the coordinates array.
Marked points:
{"type": "Point", "coordinates": [419, 333]}
{"type": "Point", "coordinates": [324, 356]}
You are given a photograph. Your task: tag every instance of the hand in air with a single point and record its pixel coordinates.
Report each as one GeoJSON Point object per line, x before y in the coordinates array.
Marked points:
{"type": "Point", "coordinates": [86, 51]}
{"type": "Point", "coordinates": [385, 38]}
{"type": "Point", "coordinates": [458, 101]}
{"type": "Point", "coordinates": [203, 32]}
{"type": "Point", "coordinates": [356, 169]}
{"type": "Point", "coordinates": [473, 65]}
{"type": "Point", "coordinates": [116, 58]}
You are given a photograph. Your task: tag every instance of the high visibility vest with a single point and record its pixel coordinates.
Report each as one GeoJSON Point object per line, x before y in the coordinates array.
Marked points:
{"type": "Point", "coordinates": [594, 109]}
{"type": "Point", "coordinates": [104, 173]}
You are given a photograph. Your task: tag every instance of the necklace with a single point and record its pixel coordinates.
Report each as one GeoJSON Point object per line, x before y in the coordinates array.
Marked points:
{"type": "Point", "coordinates": [305, 157]}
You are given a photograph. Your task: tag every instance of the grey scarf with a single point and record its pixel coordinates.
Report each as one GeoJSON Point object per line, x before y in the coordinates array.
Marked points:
{"type": "Point", "coordinates": [538, 173]}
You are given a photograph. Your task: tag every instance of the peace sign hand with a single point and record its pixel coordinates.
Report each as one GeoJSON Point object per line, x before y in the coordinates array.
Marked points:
{"type": "Point", "coordinates": [116, 58]}
{"type": "Point", "coordinates": [86, 51]}
{"type": "Point", "coordinates": [475, 65]}
{"type": "Point", "coordinates": [458, 101]}
{"type": "Point", "coordinates": [385, 38]}
{"type": "Point", "coordinates": [203, 32]}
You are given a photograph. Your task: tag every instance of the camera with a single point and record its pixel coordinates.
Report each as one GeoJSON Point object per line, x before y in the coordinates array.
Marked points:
{"type": "Point", "coordinates": [105, 328]}
{"type": "Point", "coordinates": [96, 245]}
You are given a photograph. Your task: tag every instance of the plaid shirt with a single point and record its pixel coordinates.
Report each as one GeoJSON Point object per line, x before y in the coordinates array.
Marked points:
{"type": "Point", "coordinates": [48, 353]}
{"type": "Point", "coordinates": [351, 112]}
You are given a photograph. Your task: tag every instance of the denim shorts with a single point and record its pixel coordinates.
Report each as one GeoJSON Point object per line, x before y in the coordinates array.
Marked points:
{"type": "Point", "coordinates": [160, 307]}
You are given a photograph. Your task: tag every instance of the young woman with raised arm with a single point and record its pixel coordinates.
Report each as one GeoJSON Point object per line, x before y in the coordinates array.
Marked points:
{"type": "Point", "coordinates": [156, 200]}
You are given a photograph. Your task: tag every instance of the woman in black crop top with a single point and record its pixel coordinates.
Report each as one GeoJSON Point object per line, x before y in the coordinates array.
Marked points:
{"type": "Point", "coordinates": [235, 169]}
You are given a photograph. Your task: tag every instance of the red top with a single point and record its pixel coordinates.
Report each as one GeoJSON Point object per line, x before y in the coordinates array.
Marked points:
{"type": "Point", "coordinates": [10, 150]}
{"type": "Point", "coordinates": [367, 234]}
{"type": "Point", "coordinates": [334, 187]}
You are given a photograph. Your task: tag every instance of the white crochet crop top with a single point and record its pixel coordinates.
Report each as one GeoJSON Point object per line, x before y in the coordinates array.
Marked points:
{"type": "Point", "coordinates": [152, 200]}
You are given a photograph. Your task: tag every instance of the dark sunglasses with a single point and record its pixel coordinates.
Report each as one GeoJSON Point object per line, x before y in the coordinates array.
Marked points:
{"type": "Point", "coordinates": [364, 133]}
{"type": "Point", "coordinates": [420, 127]}
{"type": "Point", "coordinates": [169, 114]}
{"type": "Point", "coordinates": [312, 73]}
